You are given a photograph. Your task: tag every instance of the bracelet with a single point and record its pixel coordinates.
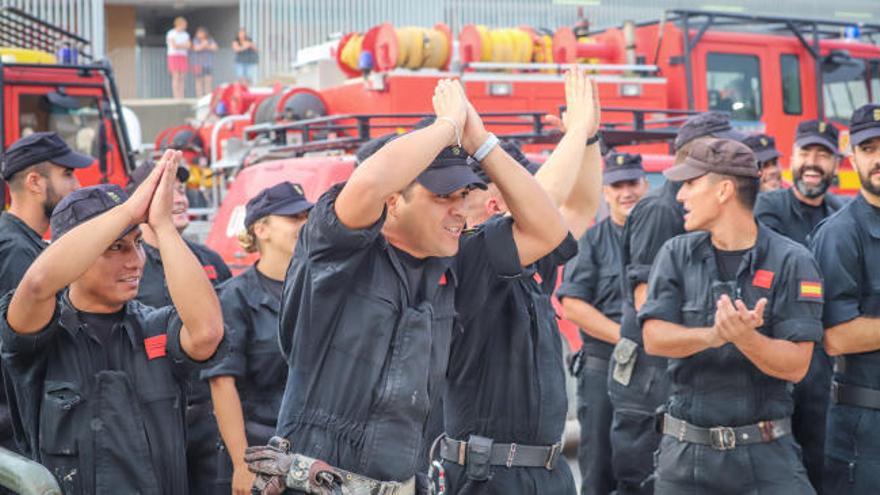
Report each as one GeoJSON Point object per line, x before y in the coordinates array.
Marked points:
{"type": "Point", "coordinates": [487, 146]}
{"type": "Point", "coordinates": [594, 138]}
{"type": "Point", "coordinates": [455, 128]}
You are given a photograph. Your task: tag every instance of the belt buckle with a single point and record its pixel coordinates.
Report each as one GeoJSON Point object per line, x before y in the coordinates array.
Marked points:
{"type": "Point", "coordinates": [722, 438]}
{"type": "Point", "coordinates": [555, 450]}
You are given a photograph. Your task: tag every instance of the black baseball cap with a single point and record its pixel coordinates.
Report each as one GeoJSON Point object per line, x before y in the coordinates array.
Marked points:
{"type": "Point", "coordinates": [41, 147]}
{"type": "Point", "coordinates": [817, 132]}
{"type": "Point", "coordinates": [715, 124]}
{"type": "Point", "coordinates": [864, 124]}
{"type": "Point", "coordinates": [284, 198]}
{"type": "Point", "coordinates": [449, 172]}
{"type": "Point", "coordinates": [763, 146]}
{"type": "Point", "coordinates": [513, 149]}
{"type": "Point", "coordinates": [140, 174]}
{"type": "Point", "coordinates": [621, 167]}
{"type": "Point", "coordinates": [84, 204]}
{"type": "Point", "coordinates": [367, 149]}
{"type": "Point", "coordinates": [720, 156]}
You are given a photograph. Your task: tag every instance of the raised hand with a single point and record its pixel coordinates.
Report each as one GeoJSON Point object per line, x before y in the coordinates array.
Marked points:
{"type": "Point", "coordinates": [583, 111]}
{"type": "Point", "coordinates": [450, 103]}
{"type": "Point", "coordinates": [734, 321]}
{"type": "Point", "coordinates": [161, 204]}
{"type": "Point", "coordinates": [138, 203]}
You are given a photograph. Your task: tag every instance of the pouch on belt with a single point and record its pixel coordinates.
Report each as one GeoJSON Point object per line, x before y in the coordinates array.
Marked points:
{"type": "Point", "coordinates": [625, 357]}
{"type": "Point", "coordinates": [479, 453]}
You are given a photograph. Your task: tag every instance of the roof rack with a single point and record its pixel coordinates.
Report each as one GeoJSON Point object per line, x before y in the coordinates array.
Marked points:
{"type": "Point", "coordinates": [347, 132]}
{"type": "Point", "coordinates": [809, 32]}
{"type": "Point", "coordinates": [22, 30]}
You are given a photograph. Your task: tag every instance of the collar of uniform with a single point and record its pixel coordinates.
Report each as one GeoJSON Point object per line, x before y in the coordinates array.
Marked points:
{"type": "Point", "coordinates": [255, 296]}
{"type": "Point", "coordinates": [69, 318]}
{"type": "Point", "coordinates": [433, 265]}
{"type": "Point", "coordinates": [867, 215]}
{"type": "Point", "coordinates": [19, 224]}
{"type": "Point", "coordinates": [706, 251]}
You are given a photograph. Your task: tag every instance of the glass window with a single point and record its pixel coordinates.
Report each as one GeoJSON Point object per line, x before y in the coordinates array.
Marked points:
{"type": "Point", "coordinates": [844, 86]}
{"type": "Point", "coordinates": [791, 84]}
{"type": "Point", "coordinates": [75, 118]}
{"type": "Point", "coordinates": [734, 85]}
{"type": "Point", "coordinates": [875, 82]}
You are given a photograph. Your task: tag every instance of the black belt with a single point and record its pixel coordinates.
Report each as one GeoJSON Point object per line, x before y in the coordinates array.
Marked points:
{"type": "Point", "coordinates": [853, 395]}
{"type": "Point", "coordinates": [596, 364]}
{"type": "Point", "coordinates": [505, 454]}
{"type": "Point", "coordinates": [726, 437]}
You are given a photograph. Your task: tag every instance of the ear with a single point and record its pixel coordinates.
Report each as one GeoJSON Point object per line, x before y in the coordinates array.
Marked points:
{"type": "Point", "coordinates": [726, 191]}
{"type": "Point", "coordinates": [392, 203]}
{"type": "Point", "coordinates": [261, 228]}
{"type": "Point", "coordinates": [35, 183]}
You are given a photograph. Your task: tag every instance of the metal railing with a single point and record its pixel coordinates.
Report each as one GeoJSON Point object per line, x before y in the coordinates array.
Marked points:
{"type": "Point", "coordinates": [24, 476]}
{"type": "Point", "coordinates": [150, 78]}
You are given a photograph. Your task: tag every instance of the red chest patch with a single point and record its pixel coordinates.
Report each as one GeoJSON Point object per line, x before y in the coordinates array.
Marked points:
{"type": "Point", "coordinates": [442, 280]}
{"type": "Point", "coordinates": [537, 277]}
{"type": "Point", "coordinates": [763, 279]}
{"type": "Point", "coordinates": [155, 346]}
{"type": "Point", "coordinates": [211, 271]}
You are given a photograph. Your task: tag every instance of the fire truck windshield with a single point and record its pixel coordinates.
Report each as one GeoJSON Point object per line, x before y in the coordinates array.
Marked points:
{"type": "Point", "coordinates": [75, 118]}
{"type": "Point", "coordinates": [848, 84]}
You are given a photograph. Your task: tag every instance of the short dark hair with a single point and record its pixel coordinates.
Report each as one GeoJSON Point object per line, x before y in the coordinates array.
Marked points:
{"type": "Point", "coordinates": [746, 188]}
{"type": "Point", "coordinates": [17, 180]}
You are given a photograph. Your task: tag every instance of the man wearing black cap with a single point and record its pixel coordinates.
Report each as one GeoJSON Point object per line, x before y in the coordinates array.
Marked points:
{"type": "Point", "coordinates": [39, 170]}
{"type": "Point", "coordinates": [97, 375]}
{"type": "Point", "coordinates": [201, 439]}
{"type": "Point", "coordinates": [505, 402]}
{"type": "Point", "coordinates": [736, 308]}
{"type": "Point", "coordinates": [368, 307]}
{"type": "Point", "coordinates": [591, 299]}
{"type": "Point", "coordinates": [794, 213]}
{"type": "Point", "coordinates": [847, 247]}
{"type": "Point", "coordinates": [637, 382]}
{"type": "Point", "coordinates": [764, 147]}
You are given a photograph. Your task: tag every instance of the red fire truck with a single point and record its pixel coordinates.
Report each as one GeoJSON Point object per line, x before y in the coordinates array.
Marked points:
{"type": "Point", "coordinates": [49, 82]}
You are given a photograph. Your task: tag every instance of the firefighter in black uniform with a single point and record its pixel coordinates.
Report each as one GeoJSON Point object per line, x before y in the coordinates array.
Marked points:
{"type": "Point", "coordinates": [591, 299]}
{"type": "Point", "coordinates": [39, 170]}
{"type": "Point", "coordinates": [201, 427]}
{"type": "Point", "coordinates": [637, 382]}
{"type": "Point", "coordinates": [736, 308]}
{"type": "Point", "coordinates": [368, 305]}
{"type": "Point", "coordinates": [505, 402]}
{"type": "Point", "coordinates": [847, 247]}
{"type": "Point", "coordinates": [246, 387]}
{"type": "Point", "coordinates": [794, 213]}
{"type": "Point", "coordinates": [97, 376]}
{"type": "Point", "coordinates": [764, 147]}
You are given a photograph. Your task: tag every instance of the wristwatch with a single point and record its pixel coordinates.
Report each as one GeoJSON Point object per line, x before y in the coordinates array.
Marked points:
{"type": "Point", "coordinates": [487, 146]}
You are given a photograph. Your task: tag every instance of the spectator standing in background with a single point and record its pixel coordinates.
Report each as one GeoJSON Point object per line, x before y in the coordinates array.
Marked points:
{"type": "Point", "coordinates": [203, 48]}
{"type": "Point", "coordinates": [246, 57]}
{"type": "Point", "coordinates": [178, 43]}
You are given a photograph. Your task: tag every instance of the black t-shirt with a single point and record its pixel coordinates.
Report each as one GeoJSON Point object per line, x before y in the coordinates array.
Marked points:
{"type": "Point", "coordinates": [270, 285]}
{"type": "Point", "coordinates": [813, 214]}
{"type": "Point", "coordinates": [101, 324]}
{"type": "Point", "coordinates": [728, 262]}
{"type": "Point", "coordinates": [414, 269]}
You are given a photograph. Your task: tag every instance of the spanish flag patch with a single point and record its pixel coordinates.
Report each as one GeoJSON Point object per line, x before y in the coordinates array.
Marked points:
{"type": "Point", "coordinates": [810, 290]}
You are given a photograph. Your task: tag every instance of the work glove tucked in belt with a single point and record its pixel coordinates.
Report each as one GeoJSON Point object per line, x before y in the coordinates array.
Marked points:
{"type": "Point", "coordinates": [277, 470]}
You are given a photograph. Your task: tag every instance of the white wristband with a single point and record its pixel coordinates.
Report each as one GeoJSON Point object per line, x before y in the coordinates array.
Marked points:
{"type": "Point", "coordinates": [490, 143]}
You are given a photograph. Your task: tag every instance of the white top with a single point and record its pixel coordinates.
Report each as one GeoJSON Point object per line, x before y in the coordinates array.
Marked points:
{"type": "Point", "coordinates": [179, 37]}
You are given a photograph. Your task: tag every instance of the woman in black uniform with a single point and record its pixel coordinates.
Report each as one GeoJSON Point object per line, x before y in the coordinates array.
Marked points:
{"type": "Point", "coordinates": [248, 384]}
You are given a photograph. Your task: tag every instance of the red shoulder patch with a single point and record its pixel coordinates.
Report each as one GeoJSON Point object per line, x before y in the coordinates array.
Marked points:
{"type": "Point", "coordinates": [155, 346]}
{"type": "Point", "coordinates": [210, 271]}
{"type": "Point", "coordinates": [763, 279]}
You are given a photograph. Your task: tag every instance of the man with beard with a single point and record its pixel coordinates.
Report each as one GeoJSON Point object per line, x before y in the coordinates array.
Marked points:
{"type": "Point", "coordinates": [736, 308]}
{"type": "Point", "coordinates": [764, 147]}
{"type": "Point", "coordinates": [39, 169]}
{"type": "Point", "coordinates": [591, 299]}
{"type": "Point", "coordinates": [201, 440]}
{"type": "Point", "coordinates": [794, 213]}
{"type": "Point", "coordinates": [847, 247]}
